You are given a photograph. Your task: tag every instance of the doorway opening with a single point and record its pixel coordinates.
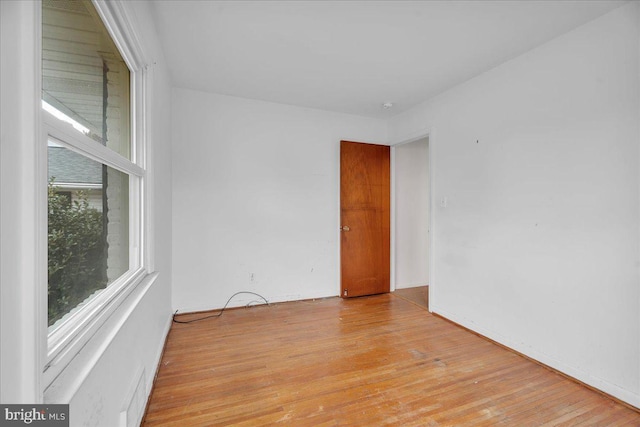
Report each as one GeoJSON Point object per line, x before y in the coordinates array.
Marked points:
{"type": "Point", "coordinates": [412, 220]}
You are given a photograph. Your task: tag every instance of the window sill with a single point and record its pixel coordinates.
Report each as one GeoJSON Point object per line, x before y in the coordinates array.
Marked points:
{"type": "Point", "coordinates": [67, 370]}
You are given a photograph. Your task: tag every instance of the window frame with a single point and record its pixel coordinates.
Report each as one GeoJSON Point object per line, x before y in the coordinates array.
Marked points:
{"type": "Point", "coordinates": [66, 340]}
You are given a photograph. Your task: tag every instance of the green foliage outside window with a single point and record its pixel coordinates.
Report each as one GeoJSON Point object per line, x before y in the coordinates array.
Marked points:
{"type": "Point", "coordinates": [77, 252]}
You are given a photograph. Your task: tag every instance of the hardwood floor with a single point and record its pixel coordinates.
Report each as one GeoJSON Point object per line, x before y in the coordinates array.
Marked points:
{"type": "Point", "coordinates": [368, 361]}
{"type": "Point", "coordinates": [418, 295]}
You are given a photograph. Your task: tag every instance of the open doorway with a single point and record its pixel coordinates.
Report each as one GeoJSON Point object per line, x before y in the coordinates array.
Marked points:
{"type": "Point", "coordinates": [412, 221]}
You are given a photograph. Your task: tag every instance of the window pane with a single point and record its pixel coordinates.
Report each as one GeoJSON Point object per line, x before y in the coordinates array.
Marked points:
{"type": "Point", "coordinates": [88, 228]}
{"type": "Point", "coordinates": [83, 74]}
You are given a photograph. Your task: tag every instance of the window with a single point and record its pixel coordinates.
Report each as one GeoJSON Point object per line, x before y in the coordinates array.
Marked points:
{"type": "Point", "coordinates": [95, 170]}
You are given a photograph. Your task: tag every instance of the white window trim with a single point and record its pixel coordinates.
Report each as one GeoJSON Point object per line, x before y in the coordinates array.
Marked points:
{"type": "Point", "coordinates": [65, 135]}
{"type": "Point", "coordinates": [63, 344]}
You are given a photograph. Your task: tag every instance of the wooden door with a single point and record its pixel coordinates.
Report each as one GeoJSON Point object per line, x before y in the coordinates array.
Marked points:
{"type": "Point", "coordinates": [365, 219]}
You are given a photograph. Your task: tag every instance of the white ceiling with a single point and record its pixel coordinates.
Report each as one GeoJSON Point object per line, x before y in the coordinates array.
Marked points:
{"type": "Point", "coordinates": [352, 56]}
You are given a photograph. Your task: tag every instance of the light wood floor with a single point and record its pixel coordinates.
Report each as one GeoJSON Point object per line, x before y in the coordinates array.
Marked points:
{"type": "Point", "coordinates": [418, 295]}
{"type": "Point", "coordinates": [369, 361]}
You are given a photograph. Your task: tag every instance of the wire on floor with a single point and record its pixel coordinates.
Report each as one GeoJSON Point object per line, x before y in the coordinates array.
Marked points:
{"type": "Point", "coordinates": [221, 311]}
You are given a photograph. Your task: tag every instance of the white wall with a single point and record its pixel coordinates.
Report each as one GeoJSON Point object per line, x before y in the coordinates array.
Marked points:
{"type": "Point", "coordinates": [98, 380]}
{"type": "Point", "coordinates": [256, 198]}
{"type": "Point", "coordinates": [411, 192]}
{"type": "Point", "coordinates": [539, 160]}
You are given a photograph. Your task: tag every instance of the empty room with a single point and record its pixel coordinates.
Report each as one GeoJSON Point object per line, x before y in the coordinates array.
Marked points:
{"type": "Point", "coordinates": [319, 213]}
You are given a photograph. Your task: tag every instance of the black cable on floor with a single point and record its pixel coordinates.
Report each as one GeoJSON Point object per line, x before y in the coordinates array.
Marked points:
{"type": "Point", "coordinates": [221, 311]}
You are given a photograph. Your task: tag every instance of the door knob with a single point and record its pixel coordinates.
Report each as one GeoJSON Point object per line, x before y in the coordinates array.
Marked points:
{"type": "Point", "coordinates": [345, 228]}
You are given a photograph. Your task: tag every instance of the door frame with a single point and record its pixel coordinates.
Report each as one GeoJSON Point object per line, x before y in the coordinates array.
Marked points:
{"type": "Point", "coordinates": [425, 133]}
